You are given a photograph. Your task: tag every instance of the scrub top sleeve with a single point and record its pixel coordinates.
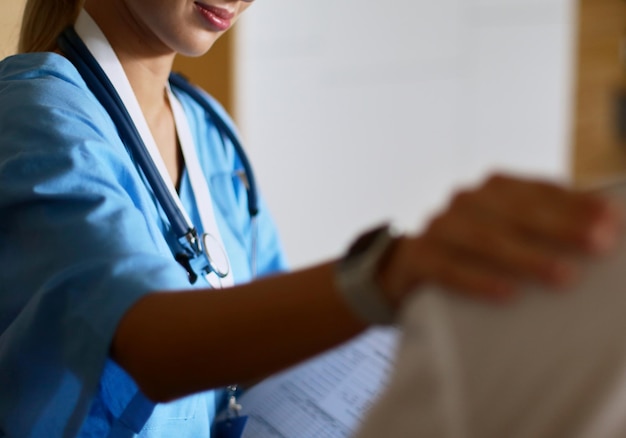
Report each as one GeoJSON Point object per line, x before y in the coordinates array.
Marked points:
{"type": "Point", "coordinates": [80, 242]}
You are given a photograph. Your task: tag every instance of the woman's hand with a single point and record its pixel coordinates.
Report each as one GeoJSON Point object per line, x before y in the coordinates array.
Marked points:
{"type": "Point", "coordinates": [504, 233]}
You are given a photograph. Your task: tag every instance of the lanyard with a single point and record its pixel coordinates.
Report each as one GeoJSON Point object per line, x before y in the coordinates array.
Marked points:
{"type": "Point", "coordinates": [99, 47]}
{"type": "Point", "coordinates": [201, 192]}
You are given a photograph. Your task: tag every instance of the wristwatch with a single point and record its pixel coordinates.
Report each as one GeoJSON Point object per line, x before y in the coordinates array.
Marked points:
{"type": "Point", "coordinates": [356, 275]}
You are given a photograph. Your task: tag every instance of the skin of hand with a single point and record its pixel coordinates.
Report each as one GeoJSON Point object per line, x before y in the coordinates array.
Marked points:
{"type": "Point", "coordinates": [503, 233]}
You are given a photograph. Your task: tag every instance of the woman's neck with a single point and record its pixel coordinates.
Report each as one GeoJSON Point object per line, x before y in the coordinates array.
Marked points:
{"type": "Point", "coordinates": [148, 78]}
{"type": "Point", "coordinates": [146, 66]}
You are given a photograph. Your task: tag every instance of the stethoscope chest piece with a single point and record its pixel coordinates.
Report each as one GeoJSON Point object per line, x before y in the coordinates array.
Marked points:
{"type": "Point", "coordinates": [216, 255]}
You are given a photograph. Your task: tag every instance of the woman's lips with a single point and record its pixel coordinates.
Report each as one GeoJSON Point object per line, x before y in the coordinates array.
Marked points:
{"type": "Point", "coordinates": [218, 18]}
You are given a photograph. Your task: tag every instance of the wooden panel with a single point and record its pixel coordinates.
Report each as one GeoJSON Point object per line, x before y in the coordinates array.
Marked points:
{"type": "Point", "coordinates": [601, 76]}
{"type": "Point", "coordinates": [213, 71]}
{"type": "Point", "coordinates": [10, 19]}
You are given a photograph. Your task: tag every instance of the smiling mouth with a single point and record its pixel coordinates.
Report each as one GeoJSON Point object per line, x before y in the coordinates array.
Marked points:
{"type": "Point", "coordinates": [218, 18]}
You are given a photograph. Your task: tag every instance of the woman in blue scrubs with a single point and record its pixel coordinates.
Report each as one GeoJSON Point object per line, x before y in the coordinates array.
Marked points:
{"type": "Point", "coordinates": [101, 333]}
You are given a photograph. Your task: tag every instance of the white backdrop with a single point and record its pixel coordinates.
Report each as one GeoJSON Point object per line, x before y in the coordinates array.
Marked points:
{"type": "Point", "coordinates": [356, 111]}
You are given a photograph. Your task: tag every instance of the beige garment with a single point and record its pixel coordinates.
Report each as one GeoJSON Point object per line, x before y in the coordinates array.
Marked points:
{"type": "Point", "coordinates": [552, 365]}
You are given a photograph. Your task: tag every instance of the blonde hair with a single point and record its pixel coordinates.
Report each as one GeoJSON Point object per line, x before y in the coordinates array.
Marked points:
{"type": "Point", "coordinates": [43, 21]}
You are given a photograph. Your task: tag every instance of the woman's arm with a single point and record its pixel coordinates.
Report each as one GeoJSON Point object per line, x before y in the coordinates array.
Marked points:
{"type": "Point", "coordinates": [487, 242]}
{"type": "Point", "coordinates": [174, 344]}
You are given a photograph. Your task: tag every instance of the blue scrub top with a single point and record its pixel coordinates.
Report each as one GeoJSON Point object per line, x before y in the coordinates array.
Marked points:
{"type": "Point", "coordinates": [82, 238]}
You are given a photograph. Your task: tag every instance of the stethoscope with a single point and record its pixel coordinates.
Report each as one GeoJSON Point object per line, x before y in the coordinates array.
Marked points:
{"type": "Point", "coordinates": [201, 255]}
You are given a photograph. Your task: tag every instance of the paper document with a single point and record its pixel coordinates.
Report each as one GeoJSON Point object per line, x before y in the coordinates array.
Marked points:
{"type": "Point", "coordinates": [326, 396]}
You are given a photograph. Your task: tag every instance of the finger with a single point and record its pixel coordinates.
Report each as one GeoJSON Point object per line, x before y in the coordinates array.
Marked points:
{"type": "Point", "coordinates": [541, 210]}
{"type": "Point", "coordinates": [501, 248]}
{"type": "Point", "coordinates": [548, 210]}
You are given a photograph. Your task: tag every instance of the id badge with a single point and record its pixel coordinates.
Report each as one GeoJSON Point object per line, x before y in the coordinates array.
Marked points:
{"type": "Point", "coordinates": [230, 427]}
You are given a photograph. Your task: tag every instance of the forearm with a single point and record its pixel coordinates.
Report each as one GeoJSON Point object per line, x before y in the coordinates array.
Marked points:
{"type": "Point", "coordinates": [174, 344]}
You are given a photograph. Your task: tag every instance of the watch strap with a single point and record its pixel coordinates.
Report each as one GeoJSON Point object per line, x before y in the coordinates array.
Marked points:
{"type": "Point", "coordinates": [356, 276]}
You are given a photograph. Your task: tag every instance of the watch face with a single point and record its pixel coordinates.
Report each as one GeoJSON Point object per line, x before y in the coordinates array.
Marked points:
{"type": "Point", "coordinates": [364, 241]}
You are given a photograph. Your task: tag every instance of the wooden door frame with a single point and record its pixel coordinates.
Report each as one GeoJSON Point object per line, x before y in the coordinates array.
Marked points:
{"type": "Point", "coordinates": [598, 152]}
{"type": "Point", "coordinates": [214, 72]}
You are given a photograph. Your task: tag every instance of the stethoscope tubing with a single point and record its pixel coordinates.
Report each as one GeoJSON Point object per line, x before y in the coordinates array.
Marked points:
{"type": "Point", "coordinates": [178, 81]}
{"type": "Point", "coordinates": [102, 88]}
{"type": "Point", "coordinates": [97, 81]}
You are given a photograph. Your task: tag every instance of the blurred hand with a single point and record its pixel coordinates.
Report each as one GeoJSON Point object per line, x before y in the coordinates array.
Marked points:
{"type": "Point", "coordinates": [500, 235]}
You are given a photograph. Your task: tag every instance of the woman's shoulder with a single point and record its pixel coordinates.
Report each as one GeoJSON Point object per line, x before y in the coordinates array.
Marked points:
{"type": "Point", "coordinates": [33, 65]}
{"type": "Point", "coordinates": [41, 76]}
{"type": "Point", "coordinates": [46, 87]}
{"type": "Point", "coordinates": [46, 106]}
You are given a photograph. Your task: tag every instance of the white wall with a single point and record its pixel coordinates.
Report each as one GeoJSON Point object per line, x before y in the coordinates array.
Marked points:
{"type": "Point", "coordinates": [355, 111]}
